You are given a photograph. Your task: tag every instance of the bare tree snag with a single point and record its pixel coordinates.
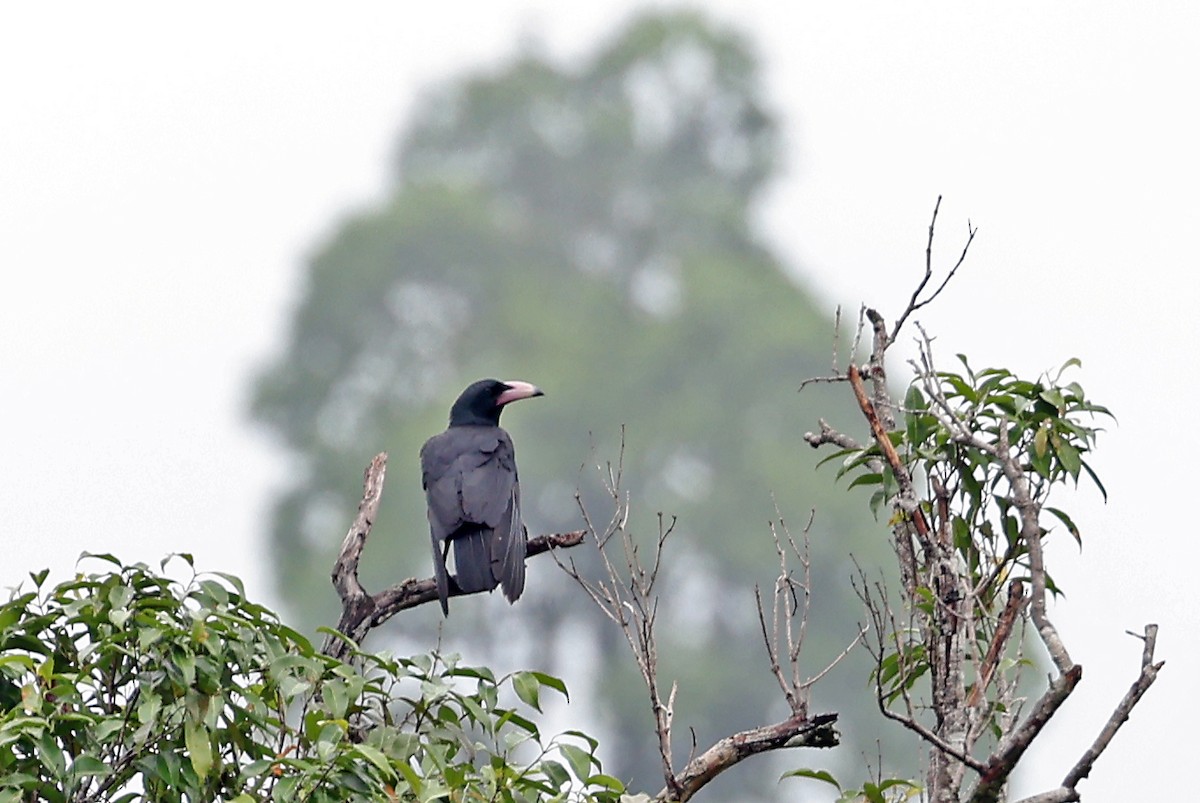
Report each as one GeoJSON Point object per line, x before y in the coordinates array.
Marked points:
{"type": "Point", "coordinates": [626, 594]}
{"type": "Point", "coordinates": [361, 611]}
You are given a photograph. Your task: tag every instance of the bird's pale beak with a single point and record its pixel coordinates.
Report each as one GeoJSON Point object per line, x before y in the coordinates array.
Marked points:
{"type": "Point", "coordinates": [517, 390]}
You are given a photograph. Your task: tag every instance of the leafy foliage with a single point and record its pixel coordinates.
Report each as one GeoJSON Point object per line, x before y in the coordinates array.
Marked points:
{"type": "Point", "coordinates": [1046, 423]}
{"type": "Point", "coordinates": [126, 684]}
{"type": "Point", "coordinates": [890, 790]}
{"type": "Point", "coordinates": [978, 454]}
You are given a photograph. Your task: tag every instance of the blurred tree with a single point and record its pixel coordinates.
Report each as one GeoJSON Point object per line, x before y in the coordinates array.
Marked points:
{"type": "Point", "coordinates": [588, 229]}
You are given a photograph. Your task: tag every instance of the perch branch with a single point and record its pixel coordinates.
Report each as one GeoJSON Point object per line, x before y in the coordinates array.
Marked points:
{"type": "Point", "coordinates": [362, 611]}
{"type": "Point", "coordinates": [796, 731]}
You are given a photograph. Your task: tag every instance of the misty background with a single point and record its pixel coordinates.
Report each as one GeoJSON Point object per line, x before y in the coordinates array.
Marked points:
{"type": "Point", "coordinates": [165, 177]}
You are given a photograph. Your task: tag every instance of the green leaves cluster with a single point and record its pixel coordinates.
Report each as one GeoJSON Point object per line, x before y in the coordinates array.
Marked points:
{"type": "Point", "coordinates": [127, 685]}
{"type": "Point", "coordinates": [983, 450]}
{"type": "Point", "coordinates": [1048, 427]}
{"type": "Point", "coordinates": [890, 790]}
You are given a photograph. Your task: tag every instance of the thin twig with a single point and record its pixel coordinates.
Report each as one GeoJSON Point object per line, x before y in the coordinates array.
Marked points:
{"type": "Point", "coordinates": [914, 304]}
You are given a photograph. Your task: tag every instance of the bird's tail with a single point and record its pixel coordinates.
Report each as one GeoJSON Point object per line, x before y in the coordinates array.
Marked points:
{"type": "Point", "coordinates": [473, 561]}
{"type": "Point", "coordinates": [512, 564]}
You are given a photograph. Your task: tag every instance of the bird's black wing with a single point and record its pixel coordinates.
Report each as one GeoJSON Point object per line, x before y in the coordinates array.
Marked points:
{"type": "Point", "coordinates": [440, 494]}
{"type": "Point", "coordinates": [511, 545]}
{"type": "Point", "coordinates": [470, 478]}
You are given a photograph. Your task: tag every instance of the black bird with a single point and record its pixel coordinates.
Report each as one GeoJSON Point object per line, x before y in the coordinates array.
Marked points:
{"type": "Point", "coordinates": [469, 473]}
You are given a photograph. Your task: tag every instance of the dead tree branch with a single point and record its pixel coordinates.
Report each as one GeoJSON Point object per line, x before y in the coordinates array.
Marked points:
{"type": "Point", "coordinates": [1083, 767]}
{"type": "Point", "coordinates": [796, 731]}
{"type": "Point", "coordinates": [361, 611]}
{"type": "Point", "coordinates": [915, 303]}
{"type": "Point", "coordinates": [790, 603]}
{"type": "Point", "coordinates": [627, 594]}
{"type": "Point", "coordinates": [1016, 602]}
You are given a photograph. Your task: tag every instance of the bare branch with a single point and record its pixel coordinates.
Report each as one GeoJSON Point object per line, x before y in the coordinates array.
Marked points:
{"type": "Point", "coordinates": [796, 731]}
{"type": "Point", "coordinates": [361, 611]}
{"type": "Point", "coordinates": [345, 570]}
{"type": "Point", "coordinates": [1004, 760]}
{"type": "Point", "coordinates": [1016, 601]}
{"type": "Point", "coordinates": [907, 497]}
{"type": "Point", "coordinates": [627, 595]}
{"type": "Point", "coordinates": [914, 304]}
{"type": "Point", "coordinates": [884, 626]}
{"type": "Point", "coordinates": [1146, 678]}
{"type": "Point", "coordinates": [830, 435]}
{"type": "Point", "coordinates": [790, 603]}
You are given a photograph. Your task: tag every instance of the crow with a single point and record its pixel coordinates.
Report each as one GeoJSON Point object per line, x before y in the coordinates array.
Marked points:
{"type": "Point", "coordinates": [469, 473]}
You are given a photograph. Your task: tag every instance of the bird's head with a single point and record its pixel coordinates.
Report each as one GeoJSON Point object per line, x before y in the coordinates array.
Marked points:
{"type": "Point", "coordinates": [481, 403]}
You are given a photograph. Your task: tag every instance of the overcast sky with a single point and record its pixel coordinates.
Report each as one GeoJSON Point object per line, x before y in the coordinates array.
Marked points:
{"type": "Point", "coordinates": [164, 173]}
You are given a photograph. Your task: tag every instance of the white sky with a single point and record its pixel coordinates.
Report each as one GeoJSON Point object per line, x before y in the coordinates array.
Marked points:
{"type": "Point", "coordinates": [163, 174]}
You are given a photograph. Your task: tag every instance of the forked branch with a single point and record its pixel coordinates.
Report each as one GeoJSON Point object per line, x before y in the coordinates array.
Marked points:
{"type": "Point", "coordinates": [627, 594]}
{"type": "Point", "coordinates": [790, 603]}
{"type": "Point", "coordinates": [362, 611]}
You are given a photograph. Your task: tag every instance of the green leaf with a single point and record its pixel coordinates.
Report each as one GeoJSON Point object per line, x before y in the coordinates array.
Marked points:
{"type": "Point", "coordinates": [606, 781]}
{"type": "Point", "coordinates": [1040, 440]}
{"type": "Point", "coordinates": [415, 783]}
{"type": "Point", "coordinates": [866, 479]}
{"type": "Point", "coordinates": [51, 756]}
{"type": "Point", "coordinates": [591, 742]}
{"type": "Point", "coordinates": [555, 773]}
{"type": "Point", "coordinates": [120, 596]}
{"type": "Point", "coordinates": [1054, 396]}
{"type": "Point", "coordinates": [816, 775]}
{"type": "Point", "coordinates": [1095, 479]}
{"type": "Point", "coordinates": [839, 454]}
{"type": "Point", "coordinates": [521, 722]}
{"type": "Point", "coordinates": [914, 399]}
{"type": "Point", "coordinates": [579, 759]}
{"type": "Point", "coordinates": [376, 757]}
{"type": "Point", "coordinates": [199, 746]}
{"type": "Point", "coordinates": [1065, 519]}
{"type": "Point", "coordinates": [1068, 455]}
{"type": "Point", "coordinates": [1074, 362]}
{"type": "Point", "coordinates": [9, 615]}
{"type": "Point", "coordinates": [526, 687]}
{"type": "Point", "coordinates": [552, 682]}
{"type": "Point", "coordinates": [88, 765]}
{"type": "Point", "coordinates": [871, 792]}
{"type": "Point", "coordinates": [234, 581]}
{"type": "Point", "coordinates": [99, 556]}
